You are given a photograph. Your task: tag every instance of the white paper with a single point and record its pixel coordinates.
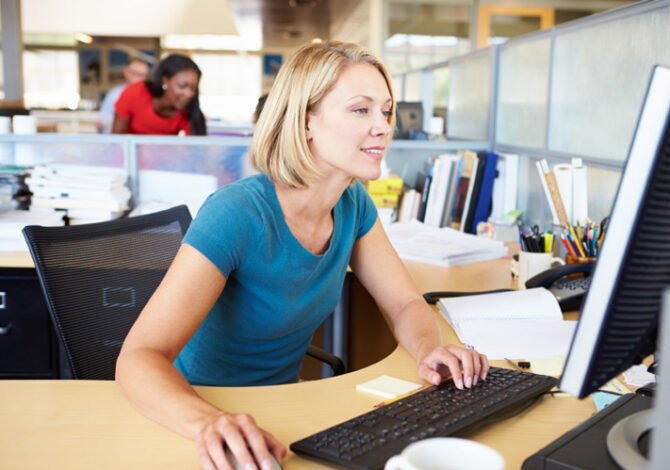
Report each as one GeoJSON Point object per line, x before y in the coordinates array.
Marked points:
{"type": "Point", "coordinates": [529, 304]}
{"type": "Point", "coordinates": [518, 339]}
{"type": "Point", "coordinates": [441, 246]}
{"type": "Point", "coordinates": [638, 376]}
{"type": "Point", "coordinates": [580, 208]}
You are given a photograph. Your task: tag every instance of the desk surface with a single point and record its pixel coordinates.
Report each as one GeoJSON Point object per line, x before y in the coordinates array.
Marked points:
{"type": "Point", "coordinates": [16, 259]}
{"type": "Point", "coordinates": [87, 424]}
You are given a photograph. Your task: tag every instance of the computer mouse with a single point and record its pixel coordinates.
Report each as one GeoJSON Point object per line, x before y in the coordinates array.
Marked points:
{"type": "Point", "coordinates": [233, 461]}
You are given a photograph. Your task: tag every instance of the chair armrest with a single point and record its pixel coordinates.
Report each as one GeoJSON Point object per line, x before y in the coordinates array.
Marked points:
{"type": "Point", "coordinates": [333, 361]}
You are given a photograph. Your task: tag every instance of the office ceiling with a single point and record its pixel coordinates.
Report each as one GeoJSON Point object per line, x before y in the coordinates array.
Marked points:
{"type": "Point", "coordinates": [289, 23]}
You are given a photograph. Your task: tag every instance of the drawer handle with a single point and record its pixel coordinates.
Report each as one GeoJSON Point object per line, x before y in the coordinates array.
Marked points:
{"type": "Point", "coordinates": [5, 329]}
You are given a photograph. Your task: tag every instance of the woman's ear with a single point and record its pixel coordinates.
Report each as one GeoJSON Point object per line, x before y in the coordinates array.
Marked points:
{"type": "Point", "coordinates": [308, 132]}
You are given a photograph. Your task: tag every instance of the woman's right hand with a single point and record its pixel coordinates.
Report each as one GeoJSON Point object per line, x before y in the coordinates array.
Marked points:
{"type": "Point", "coordinates": [240, 433]}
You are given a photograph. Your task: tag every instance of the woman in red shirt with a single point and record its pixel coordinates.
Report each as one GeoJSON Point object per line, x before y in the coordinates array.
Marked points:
{"type": "Point", "coordinates": [167, 104]}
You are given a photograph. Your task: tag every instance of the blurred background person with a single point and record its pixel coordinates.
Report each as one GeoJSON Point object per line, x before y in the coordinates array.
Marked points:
{"type": "Point", "coordinates": [167, 104]}
{"type": "Point", "coordinates": [136, 71]}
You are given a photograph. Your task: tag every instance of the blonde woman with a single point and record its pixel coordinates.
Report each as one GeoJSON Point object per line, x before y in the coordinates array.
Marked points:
{"type": "Point", "coordinates": [263, 263]}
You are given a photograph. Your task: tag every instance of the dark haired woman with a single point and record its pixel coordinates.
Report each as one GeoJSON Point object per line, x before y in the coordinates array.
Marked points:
{"type": "Point", "coordinates": [168, 104]}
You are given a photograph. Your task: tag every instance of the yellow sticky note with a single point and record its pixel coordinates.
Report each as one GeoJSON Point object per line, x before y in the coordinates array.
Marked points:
{"type": "Point", "coordinates": [387, 387]}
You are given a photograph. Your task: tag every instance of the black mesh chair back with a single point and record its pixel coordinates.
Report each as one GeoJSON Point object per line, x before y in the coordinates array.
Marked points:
{"type": "Point", "coordinates": [97, 277]}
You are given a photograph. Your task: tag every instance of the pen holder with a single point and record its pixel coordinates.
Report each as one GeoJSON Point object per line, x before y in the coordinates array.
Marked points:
{"type": "Point", "coordinates": [571, 259]}
{"type": "Point", "coordinates": [531, 264]}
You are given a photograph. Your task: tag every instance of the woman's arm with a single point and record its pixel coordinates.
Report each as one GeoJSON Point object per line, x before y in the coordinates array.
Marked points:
{"type": "Point", "coordinates": [120, 125]}
{"type": "Point", "coordinates": [383, 274]}
{"type": "Point", "coordinates": [148, 379]}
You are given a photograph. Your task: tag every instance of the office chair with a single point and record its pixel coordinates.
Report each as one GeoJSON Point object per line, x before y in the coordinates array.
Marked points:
{"type": "Point", "coordinates": [96, 279]}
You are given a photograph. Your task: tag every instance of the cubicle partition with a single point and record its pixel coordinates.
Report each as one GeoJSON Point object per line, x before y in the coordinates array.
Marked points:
{"type": "Point", "coordinates": [161, 169]}
{"type": "Point", "coordinates": [573, 91]}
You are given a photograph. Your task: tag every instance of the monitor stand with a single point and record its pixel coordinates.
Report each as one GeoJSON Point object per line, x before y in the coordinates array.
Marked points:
{"type": "Point", "coordinates": [626, 441]}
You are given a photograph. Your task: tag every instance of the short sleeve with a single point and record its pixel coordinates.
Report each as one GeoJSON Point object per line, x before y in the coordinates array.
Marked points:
{"type": "Point", "coordinates": [367, 212]}
{"type": "Point", "coordinates": [221, 230]}
{"type": "Point", "coordinates": [122, 107]}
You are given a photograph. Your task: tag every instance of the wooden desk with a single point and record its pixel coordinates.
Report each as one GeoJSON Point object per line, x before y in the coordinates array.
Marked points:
{"type": "Point", "coordinates": [16, 259]}
{"type": "Point", "coordinates": [87, 424]}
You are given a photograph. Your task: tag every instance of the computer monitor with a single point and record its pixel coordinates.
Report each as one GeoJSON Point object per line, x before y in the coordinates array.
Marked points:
{"type": "Point", "coordinates": [621, 312]}
{"type": "Point", "coordinates": [409, 119]}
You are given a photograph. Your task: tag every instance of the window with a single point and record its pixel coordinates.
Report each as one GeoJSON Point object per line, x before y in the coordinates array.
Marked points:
{"type": "Point", "coordinates": [50, 79]}
{"type": "Point", "coordinates": [230, 85]}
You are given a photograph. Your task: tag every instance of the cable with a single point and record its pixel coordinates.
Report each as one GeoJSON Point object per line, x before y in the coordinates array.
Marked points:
{"type": "Point", "coordinates": [433, 297]}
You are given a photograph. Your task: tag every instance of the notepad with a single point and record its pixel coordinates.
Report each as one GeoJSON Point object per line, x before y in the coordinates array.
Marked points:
{"type": "Point", "coordinates": [523, 324]}
{"type": "Point", "coordinates": [388, 387]}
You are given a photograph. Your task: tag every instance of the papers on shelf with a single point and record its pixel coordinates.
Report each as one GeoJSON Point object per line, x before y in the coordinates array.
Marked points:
{"type": "Point", "coordinates": [87, 193]}
{"type": "Point", "coordinates": [517, 324]}
{"type": "Point", "coordinates": [441, 246]}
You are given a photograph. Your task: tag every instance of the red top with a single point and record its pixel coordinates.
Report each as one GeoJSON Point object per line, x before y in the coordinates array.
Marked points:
{"type": "Point", "coordinates": [135, 105]}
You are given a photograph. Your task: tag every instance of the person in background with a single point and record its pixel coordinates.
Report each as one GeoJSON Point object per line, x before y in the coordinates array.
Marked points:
{"type": "Point", "coordinates": [263, 262]}
{"type": "Point", "coordinates": [168, 104]}
{"type": "Point", "coordinates": [135, 71]}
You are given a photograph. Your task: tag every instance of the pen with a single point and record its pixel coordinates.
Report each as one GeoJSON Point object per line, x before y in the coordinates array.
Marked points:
{"type": "Point", "coordinates": [513, 364]}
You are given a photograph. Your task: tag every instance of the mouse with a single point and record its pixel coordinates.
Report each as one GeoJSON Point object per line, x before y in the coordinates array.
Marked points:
{"type": "Point", "coordinates": [233, 461]}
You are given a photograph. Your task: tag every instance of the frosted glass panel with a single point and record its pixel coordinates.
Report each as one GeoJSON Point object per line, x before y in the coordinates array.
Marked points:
{"type": "Point", "coordinates": [600, 76]}
{"type": "Point", "coordinates": [602, 185]}
{"type": "Point", "coordinates": [79, 153]}
{"type": "Point", "coordinates": [413, 86]}
{"type": "Point", "coordinates": [469, 98]}
{"type": "Point", "coordinates": [522, 91]}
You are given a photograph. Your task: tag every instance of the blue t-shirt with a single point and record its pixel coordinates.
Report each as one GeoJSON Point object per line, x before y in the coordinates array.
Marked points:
{"type": "Point", "coordinates": [277, 293]}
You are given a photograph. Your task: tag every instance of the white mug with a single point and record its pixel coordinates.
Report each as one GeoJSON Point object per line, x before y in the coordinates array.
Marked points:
{"type": "Point", "coordinates": [531, 264]}
{"type": "Point", "coordinates": [446, 453]}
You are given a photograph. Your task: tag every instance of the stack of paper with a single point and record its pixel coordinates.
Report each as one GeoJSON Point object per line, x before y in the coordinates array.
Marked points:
{"type": "Point", "coordinates": [519, 324]}
{"type": "Point", "coordinates": [87, 193]}
{"type": "Point", "coordinates": [442, 246]}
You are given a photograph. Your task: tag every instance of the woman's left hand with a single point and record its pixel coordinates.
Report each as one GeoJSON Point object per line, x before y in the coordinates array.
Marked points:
{"type": "Point", "coordinates": [465, 366]}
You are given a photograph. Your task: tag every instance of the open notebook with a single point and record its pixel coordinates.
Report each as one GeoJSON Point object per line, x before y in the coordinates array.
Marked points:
{"type": "Point", "coordinates": [516, 324]}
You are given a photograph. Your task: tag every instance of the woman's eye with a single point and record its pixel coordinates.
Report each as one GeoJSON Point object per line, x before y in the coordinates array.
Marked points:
{"type": "Point", "coordinates": [361, 111]}
{"type": "Point", "coordinates": [386, 113]}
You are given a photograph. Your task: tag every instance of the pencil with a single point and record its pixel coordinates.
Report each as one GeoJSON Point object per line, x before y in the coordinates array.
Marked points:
{"type": "Point", "coordinates": [513, 364]}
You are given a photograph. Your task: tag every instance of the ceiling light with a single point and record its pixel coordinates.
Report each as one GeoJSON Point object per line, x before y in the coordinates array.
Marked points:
{"type": "Point", "coordinates": [85, 38]}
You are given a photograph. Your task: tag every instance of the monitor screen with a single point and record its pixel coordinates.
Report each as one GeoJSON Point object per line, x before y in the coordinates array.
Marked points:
{"type": "Point", "coordinates": [409, 119]}
{"type": "Point", "coordinates": [620, 314]}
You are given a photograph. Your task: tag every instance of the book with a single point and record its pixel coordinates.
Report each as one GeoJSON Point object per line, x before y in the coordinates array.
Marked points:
{"type": "Point", "coordinates": [407, 205]}
{"type": "Point", "coordinates": [452, 191]}
{"type": "Point", "coordinates": [423, 182]}
{"type": "Point", "coordinates": [68, 203]}
{"type": "Point", "coordinates": [515, 324]}
{"type": "Point", "coordinates": [483, 205]}
{"type": "Point", "coordinates": [462, 194]}
{"type": "Point", "coordinates": [437, 198]}
{"type": "Point", "coordinates": [475, 188]}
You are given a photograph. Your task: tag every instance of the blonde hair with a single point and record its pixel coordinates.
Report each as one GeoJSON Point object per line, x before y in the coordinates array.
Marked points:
{"type": "Point", "coordinates": [279, 145]}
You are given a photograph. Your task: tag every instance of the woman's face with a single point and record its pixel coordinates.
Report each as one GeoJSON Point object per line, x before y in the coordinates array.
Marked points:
{"type": "Point", "coordinates": [349, 130]}
{"type": "Point", "coordinates": [181, 88]}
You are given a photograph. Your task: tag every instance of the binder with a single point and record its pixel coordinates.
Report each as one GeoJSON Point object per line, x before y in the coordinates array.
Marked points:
{"type": "Point", "coordinates": [485, 191]}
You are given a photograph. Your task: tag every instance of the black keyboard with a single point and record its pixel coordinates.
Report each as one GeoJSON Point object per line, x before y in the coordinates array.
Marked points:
{"type": "Point", "coordinates": [369, 440]}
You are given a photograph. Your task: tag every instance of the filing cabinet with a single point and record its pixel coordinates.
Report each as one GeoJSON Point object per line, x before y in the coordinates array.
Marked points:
{"type": "Point", "coordinates": [28, 344]}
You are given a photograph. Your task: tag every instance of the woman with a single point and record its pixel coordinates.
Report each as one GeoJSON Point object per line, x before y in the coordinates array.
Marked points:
{"type": "Point", "coordinates": [168, 104]}
{"type": "Point", "coordinates": [263, 263]}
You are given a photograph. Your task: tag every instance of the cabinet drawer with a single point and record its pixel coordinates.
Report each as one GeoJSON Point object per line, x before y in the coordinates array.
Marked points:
{"type": "Point", "coordinates": [27, 342]}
